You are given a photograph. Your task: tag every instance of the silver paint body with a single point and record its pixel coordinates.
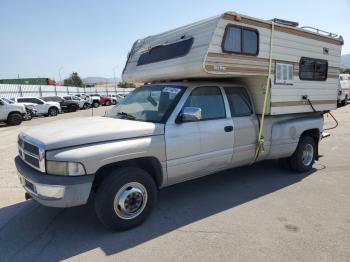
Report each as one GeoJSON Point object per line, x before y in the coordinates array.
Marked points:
{"type": "Point", "coordinates": [185, 151]}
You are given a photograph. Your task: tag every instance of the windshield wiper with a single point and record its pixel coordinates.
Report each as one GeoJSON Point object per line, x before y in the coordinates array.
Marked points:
{"type": "Point", "coordinates": [126, 115]}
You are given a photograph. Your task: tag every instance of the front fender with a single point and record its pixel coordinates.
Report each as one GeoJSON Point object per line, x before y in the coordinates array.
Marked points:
{"type": "Point", "coordinates": [95, 156]}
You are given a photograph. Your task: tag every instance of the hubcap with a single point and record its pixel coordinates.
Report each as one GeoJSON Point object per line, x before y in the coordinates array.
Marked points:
{"type": "Point", "coordinates": [130, 200]}
{"type": "Point", "coordinates": [308, 155]}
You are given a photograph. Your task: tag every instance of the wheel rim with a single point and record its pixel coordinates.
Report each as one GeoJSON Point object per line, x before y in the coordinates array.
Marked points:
{"type": "Point", "coordinates": [308, 155]}
{"type": "Point", "coordinates": [53, 112]}
{"type": "Point", "coordinates": [130, 200]}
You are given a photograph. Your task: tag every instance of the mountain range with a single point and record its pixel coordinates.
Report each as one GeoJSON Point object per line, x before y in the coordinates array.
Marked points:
{"type": "Point", "coordinates": [99, 79]}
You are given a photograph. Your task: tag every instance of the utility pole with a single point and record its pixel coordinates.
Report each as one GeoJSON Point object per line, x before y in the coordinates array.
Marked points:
{"type": "Point", "coordinates": [115, 79]}
{"type": "Point", "coordinates": [59, 73]}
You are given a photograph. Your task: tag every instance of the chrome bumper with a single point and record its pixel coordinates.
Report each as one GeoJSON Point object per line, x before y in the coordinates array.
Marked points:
{"type": "Point", "coordinates": [54, 191]}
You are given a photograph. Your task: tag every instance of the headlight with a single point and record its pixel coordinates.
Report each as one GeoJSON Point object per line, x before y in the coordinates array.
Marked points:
{"type": "Point", "coordinates": [65, 168]}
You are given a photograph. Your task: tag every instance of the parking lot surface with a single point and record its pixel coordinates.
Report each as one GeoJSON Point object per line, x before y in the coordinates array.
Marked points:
{"type": "Point", "coordinates": [257, 213]}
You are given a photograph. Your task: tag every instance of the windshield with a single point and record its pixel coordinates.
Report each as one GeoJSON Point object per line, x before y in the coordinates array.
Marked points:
{"type": "Point", "coordinates": [8, 100]}
{"type": "Point", "coordinates": [151, 103]}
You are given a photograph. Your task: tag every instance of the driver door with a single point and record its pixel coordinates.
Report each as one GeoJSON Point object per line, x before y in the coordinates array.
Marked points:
{"type": "Point", "coordinates": [200, 147]}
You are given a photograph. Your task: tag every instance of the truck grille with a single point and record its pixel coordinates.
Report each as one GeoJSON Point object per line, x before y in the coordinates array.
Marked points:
{"type": "Point", "coordinates": [31, 154]}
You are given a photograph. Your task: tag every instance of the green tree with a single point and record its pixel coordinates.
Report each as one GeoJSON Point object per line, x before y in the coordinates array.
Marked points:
{"type": "Point", "coordinates": [73, 80]}
{"type": "Point", "coordinates": [346, 71]}
{"type": "Point", "coordinates": [126, 85]}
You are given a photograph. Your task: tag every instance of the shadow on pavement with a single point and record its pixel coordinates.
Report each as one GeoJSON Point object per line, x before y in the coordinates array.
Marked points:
{"type": "Point", "coordinates": [39, 233]}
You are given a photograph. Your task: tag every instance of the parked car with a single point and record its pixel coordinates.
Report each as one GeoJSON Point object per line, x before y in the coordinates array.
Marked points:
{"type": "Point", "coordinates": [42, 107]}
{"type": "Point", "coordinates": [92, 99]}
{"type": "Point", "coordinates": [30, 109]}
{"type": "Point", "coordinates": [104, 100]}
{"type": "Point", "coordinates": [343, 89]}
{"type": "Point", "coordinates": [11, 113]}
{"type": "Point", "coordinates": [116, 98]}
{"type": "Point", "coordinates": [83, 103]}
{"type": "Point", "coordinates": [66, 105]}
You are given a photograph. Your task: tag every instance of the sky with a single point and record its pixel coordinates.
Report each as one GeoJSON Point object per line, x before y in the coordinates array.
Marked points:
{"type": "Point", "coordinates": [43, 38]}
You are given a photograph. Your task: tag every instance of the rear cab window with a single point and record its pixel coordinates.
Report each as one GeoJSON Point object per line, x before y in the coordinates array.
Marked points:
{"type": "Point", "coordinates": [239, 101]}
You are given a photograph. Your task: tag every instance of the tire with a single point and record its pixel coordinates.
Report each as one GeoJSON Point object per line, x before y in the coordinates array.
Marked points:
{"type": "Point", "coordinates": [14, 119]}
{"type": "Point", "coordinates": [53, 111]}
{"type": "Point", "coordinates": [344, 102]}
{"type": "Point", "coordinates": [108, 103]}
{"type": "Point", "coordinates": [114, 102]}
{"type": "Point", "coordinates": [86, 106]}
{"type": "Point", "coordinates": [28, 116]}
{"type": "Point", "coordinates": [122, 182]}
{"type": "Point", "coordinates": [72, 108]}
{"type": "Point", "coordinates": [303, 158]}
{"type": "Point", "coordinates": [95, 104]}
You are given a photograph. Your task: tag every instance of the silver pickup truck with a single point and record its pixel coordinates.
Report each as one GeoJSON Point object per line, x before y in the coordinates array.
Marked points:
{"type": "Point", "coordinates": [159, 135]}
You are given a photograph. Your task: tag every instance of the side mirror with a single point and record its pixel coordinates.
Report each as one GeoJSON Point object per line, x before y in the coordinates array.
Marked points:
{"type": "Point", "coordinates": [190, 114]}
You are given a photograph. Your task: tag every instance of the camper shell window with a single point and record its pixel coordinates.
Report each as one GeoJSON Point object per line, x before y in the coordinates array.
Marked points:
{"type": "Point", "coordinates": [165, 52]}
{"type": "Point", "coordinates": [313, 69]}
{"type": "Point", "coordinates": [240, 40]}
{"type": "Point", "coordinates": [284, 73]}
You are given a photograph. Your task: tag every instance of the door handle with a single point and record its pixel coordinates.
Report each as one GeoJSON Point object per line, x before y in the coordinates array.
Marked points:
{"type": "Point", "coordinates": [228, 128]}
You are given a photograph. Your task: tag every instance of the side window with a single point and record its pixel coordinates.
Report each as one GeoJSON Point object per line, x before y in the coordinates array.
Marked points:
{"type": "Point", "coordinates": [36, 101]}
{"type": "Point", "coordinates": [239, 101]}
{"type": "Point", "coordinates": [241, 40]}
{"type": "Point", "coordinates": [210, 100]}
{"type": "Point", "coordinates": [20, 100]}
{"type": "Point", "coordinates": [313, 69]}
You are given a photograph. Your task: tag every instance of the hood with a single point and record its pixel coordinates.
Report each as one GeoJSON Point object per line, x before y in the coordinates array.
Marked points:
{"type": "Point", "coordinates": [16, 106]}
{"type": "Point", "coordinates": [85, 130]}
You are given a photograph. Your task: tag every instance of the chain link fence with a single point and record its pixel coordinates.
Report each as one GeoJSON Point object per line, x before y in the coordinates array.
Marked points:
{"type": "Point", "coordinates": [10, 91]}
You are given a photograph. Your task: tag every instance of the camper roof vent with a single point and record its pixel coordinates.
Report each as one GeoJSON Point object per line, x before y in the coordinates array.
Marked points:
{"type": "Point", "coordinates": [285, 22]}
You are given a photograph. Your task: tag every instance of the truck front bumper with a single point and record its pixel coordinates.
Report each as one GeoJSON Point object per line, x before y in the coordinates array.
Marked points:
{"type": "Point", "coordinates": [54, 191]}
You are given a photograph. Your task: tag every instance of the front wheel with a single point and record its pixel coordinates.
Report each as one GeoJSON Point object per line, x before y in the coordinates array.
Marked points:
{"type": "Point", "coordinates": [304, 156]}
{"type": "Point", "coordinates": [95, 104]}
{"type": "Point", "coordinates": [14, 119]}
{"type": "Point", "coordinates": [125, 198]}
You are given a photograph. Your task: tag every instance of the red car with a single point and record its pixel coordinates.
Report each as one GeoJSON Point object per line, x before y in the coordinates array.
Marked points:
{"type": "Point", "coordinates": [104, 100]}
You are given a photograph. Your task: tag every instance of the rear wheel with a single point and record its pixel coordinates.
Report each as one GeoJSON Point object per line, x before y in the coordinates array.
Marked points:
{"type": "Point", "coordinates": [108, 103]}
{"type": "Point", "coordinates": [95, 104]}
{"type": "Point", "coordinates": [125, 198]}
{"type": "Point", "coordinates": [114, 102]}
{"type": "Point", "coordinates": [304, 156]}
{"type": "Point", "coordinates": [14, 119]}
{"type": "Point", "coordinates": [53, 111]}
{"type": "Point", "coordinates": [343, 103]}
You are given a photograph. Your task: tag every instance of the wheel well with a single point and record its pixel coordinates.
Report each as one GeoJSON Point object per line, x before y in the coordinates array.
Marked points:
{"type": "Point", "coordinates": [14, 112]}
{"type": "Point", "coordinates": [315, 134]}
{"type": "Point", "coordinates": [52, 107]}
{"type": "Point", "coordinates": [149, 164]}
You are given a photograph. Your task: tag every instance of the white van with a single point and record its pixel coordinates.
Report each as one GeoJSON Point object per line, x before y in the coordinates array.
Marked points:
{"type": "Point", "coordinates": [343, 89]}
